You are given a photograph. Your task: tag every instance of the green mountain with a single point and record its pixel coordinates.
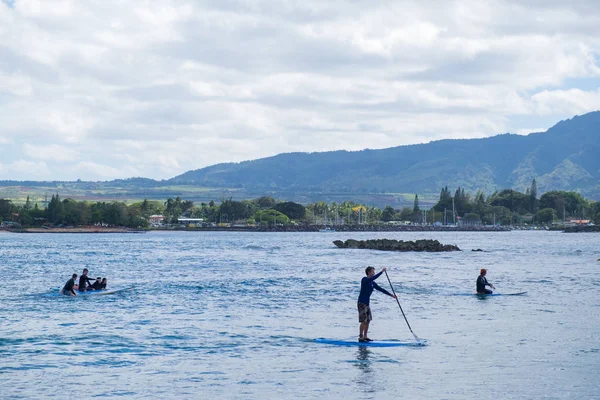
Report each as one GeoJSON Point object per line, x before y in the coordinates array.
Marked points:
{"type": "Point", "coordinates": [565, 157]}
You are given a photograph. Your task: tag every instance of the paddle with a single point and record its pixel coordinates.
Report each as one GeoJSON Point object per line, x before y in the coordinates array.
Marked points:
{"type": "Point", "coordinates": [398, 301]}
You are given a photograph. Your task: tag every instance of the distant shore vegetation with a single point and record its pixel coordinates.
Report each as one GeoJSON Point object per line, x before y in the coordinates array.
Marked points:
{"type": "Point", "coordinates": [507, 207]}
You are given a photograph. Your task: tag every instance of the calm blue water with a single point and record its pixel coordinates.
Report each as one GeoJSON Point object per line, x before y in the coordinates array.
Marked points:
{"type": "Point", "coordinates": [233, 315]}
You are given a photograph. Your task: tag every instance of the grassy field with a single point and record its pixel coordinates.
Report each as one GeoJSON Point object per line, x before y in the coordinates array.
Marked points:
{"type": "Point", "coordinates": [103, 192]}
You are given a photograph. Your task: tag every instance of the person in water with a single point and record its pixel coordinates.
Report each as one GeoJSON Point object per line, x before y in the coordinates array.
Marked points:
{"type": "Point", "coordinates": [482, 283]}
{"type": "Point", "coordinates": [85, 282]}
{"type": "Point", "coordinates": [98, 284]}
{"type": "Point", "coordinates": [367, 284]}
{"type": "Point", "coordinates": [69, 288]}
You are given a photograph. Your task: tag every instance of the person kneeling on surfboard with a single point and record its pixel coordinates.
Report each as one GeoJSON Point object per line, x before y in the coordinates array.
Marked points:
{"type": "Point", "coordinates": [84, 281]}
{"type": "Point", "coordinates": [68, 289]}
{"type": "Point", "coordinates": [367, 284]}
{"type": "Point", "coordinates": [482, 283]}
{"type": "Point", "coordinates": [98, 284]}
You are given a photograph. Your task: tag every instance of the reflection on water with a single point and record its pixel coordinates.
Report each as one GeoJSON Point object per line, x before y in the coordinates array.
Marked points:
{"type": "Point", "coordinates": [366, 376]}
{"type": "Point", "coordinates": [482, 297]}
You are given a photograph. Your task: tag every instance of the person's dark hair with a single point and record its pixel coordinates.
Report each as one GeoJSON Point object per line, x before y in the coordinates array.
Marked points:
{"type": "Point", "coordinates": [98, 278]}
{"type": "Point", "coordinates": [85, 270]}
{"type": "Point", "coordinates": [74, 276]}
{"type": "Point", "coordinates": [369, 269]}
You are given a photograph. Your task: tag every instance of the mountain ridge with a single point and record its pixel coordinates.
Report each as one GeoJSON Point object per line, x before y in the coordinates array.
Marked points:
{"type": "Point", "coordinates": [562, 158]}
{"type": "Point", "coordinates": [500, 161]}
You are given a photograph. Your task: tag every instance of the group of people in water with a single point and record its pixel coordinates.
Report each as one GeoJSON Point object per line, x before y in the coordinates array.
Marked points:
{"type": "Point", "coordinates": [85, 284]}
{"type": "Point", "coordinates": [367, 284]}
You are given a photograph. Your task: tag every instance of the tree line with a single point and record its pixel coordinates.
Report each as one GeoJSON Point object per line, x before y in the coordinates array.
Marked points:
{"type": "Point", "coordinates": [506, 207]}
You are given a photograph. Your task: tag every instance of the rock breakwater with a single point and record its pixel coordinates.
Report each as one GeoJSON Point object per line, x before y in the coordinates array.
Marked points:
{"type": "Point", "coordinates": [396, 245]}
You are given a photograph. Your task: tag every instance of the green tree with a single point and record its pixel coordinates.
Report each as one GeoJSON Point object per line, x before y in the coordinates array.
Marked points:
{"type": "Point", "coordinates": [115, 213]}
{"type": "Point", "coordinates": [564, 203]}
{"type": "Point", "coordinates": [406, 214]}
{"type": "Point", "coordinates": [533, 197]}
{"type": "Point", "coordinates": [291, 210]}
{"type": "Point", "coordinates": [388, 214]}
{"type": "Point", "coordinates": [462, 202]}
{"type": "Point", "coordinates": [546, 215]}
{"type": "Point", "coordinates": [445, 202]}
{"type": "Point", "coordinates": [471, 219]}
{"type": "Point", "coordinates": [145, 206]}
{"type": "Point", "coordinates": [498, 215]}
{"type": "Point", "coordinates": [373, 214]}
{"type": "Point", "coordinates": [595, 207]}
{"type": "Point", "coordinates": [208, 212]}
{"type": "Point", "coordinates": [515, 201]}
{"type": "Point", "coordinates": [76, 212]}
{"type": "Point", "coordinates": [97, 213]}
{"type": "Point", "coordinates": [266, 202]}
{"type": "Point", "coordinates": [186, 207]}
{"type": "Point", "coordinates": [270, 217]}
{"type": "Point", "coordinates": [6, 209]}
{"type": "Point", "coordinates": [231, 210]}
{"type": "Point", "coordinates": [416, 204]}
{"type": "Point", "coordinates": [173, 210]}
{"type": "Point", "coordinates": [55, 211]}
{"type": "Point", "coordinates": [27, 205]}
{"type": "Point", "coordinates": [480, 204]}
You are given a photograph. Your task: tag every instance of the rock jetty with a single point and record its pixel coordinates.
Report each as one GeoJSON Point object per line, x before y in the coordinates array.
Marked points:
{"type": "Point", "coordinates": [396, 245]}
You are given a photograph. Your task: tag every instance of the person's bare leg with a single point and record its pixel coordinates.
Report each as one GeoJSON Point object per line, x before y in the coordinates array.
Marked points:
{"type": "Point", "coordinates": [364, 326]}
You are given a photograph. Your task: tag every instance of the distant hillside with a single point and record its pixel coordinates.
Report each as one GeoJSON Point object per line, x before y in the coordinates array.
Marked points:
{"type": "Point", "coordinates": [565, 157]}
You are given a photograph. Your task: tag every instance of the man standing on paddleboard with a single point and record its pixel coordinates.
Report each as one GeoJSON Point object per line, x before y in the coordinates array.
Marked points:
{"type": "Point", "coordinates": [367, 284]}
{"type": "Point", "coordinates": [482, 283]}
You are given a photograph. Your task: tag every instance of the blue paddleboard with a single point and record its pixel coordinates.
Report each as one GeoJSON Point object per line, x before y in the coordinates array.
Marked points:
{"type": "Point", "coordinates": [98, 292]}
{"type": "Point", "coordinates": [500, 294]}
{"type": "Point", "coordinates": [375, 343]}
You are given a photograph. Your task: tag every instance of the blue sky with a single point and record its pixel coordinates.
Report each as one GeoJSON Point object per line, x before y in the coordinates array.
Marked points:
{"type": "Point", "coordinates": [114, 89]}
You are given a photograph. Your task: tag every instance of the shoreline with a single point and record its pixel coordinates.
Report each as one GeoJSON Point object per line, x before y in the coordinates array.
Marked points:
{"type": "Point", "coordinates": [293, 228]}
{"type": "Point", "coordinates": [77, 230]}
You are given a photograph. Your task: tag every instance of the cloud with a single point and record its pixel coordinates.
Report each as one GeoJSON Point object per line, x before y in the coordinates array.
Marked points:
{"type": "Point", "coordinates": [103, 90]}
{"type": "Point", "coordinates": [572, 101]}
{"type": "Point", "coordinates": [34, 170]}
{"type": "Point", "coordinates": [101, 171]}
{"type": "Point", "coordinates": [50, 152]}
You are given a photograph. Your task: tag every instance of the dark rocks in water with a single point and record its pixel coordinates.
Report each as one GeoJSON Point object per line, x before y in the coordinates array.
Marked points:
{"type": "Point", "coordinates": [476, 250]}
{"type": "Point", "coordinates": [396, 245]}
{"type": "Point", "coordinates": [582, 228]}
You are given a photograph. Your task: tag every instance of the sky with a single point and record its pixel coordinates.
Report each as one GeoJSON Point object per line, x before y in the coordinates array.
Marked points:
{"type": "Point", "coordinates": [110, 89]}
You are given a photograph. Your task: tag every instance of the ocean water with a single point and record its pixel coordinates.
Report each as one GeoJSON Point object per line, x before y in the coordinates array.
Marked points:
{"type": "Point", "coordinates": [234, 315]}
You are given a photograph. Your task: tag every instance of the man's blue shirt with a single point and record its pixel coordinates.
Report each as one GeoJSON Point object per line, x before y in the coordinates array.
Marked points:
{"type": "Point", "coordinates": [366, 288]}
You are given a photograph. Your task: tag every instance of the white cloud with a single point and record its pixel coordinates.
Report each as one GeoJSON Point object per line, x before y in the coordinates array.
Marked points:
{"type": "Point", "coordinates": [31, 169]}
{"type": "Point", "coordinates": [527, 131]}
{"type": "Point", "coordinates": [572, 101]}
{"type": "Point", "coordinates": [51, 152]}
{"type": "Point", "coordinates": [16, 84]}
{"type": "Point", "coordinates": [101, 171]}
{"type": "Point", "coordinates": [164, 86]}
